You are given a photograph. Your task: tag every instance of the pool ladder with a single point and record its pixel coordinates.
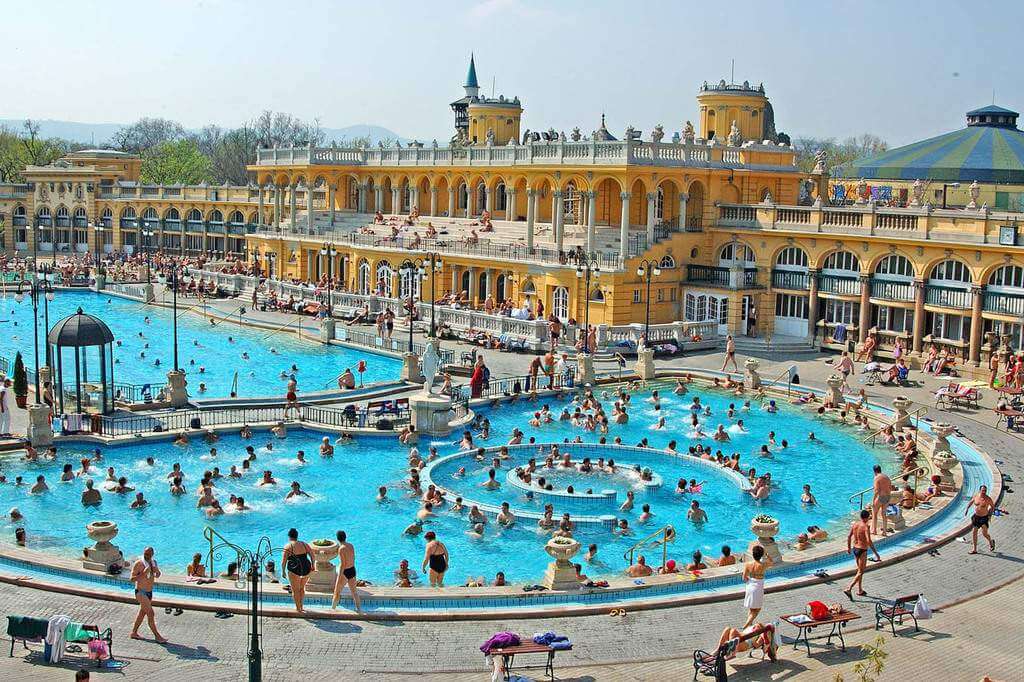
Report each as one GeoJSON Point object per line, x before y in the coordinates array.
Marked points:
{"type": "Point", "coordinates": [667, 533]}
{"type": "Point", "coordinates": [916, 473]}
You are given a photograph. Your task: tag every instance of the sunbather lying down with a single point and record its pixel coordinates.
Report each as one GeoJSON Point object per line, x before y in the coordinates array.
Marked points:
{"type": "Point", "coordinates": [764, 641]}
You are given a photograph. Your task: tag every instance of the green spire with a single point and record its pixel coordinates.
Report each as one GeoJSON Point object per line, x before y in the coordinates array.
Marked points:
{"type": "Point", "coordinates": [471, 76]}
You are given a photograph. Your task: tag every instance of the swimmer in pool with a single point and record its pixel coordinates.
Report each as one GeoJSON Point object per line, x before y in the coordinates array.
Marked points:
{"type": "Point", "coordinates": [721, 435]}
{"type": "Point", "coordinates": [296, 491]}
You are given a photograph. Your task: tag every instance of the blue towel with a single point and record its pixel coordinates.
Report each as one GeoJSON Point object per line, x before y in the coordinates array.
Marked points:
{"type": "Point", "coordinates": [561, 645]}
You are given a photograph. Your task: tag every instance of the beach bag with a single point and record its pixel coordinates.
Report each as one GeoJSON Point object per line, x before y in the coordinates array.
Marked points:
{"type": "Point", "coordinates": [98, 649]}
{"type": "Point", "coordinates": [817, 610]}
{"type": "Point", "coordinates": [922, 611]}
{"type": "Point", "coordinates": [299, 564]}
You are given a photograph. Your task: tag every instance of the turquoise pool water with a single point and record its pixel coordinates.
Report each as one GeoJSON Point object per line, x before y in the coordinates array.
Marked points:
{"type": "Point", "coordinates": [344, 488]}
{"type": "Point", "coordinates": [214, 361]}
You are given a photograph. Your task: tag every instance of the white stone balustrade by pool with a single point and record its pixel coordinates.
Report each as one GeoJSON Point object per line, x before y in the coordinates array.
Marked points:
{"type": "Point", "coordinates": [700, 153]}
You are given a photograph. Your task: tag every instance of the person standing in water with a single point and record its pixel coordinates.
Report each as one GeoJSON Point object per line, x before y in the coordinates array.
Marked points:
{"type": "Point", "coordinates": [297, 560]}
{"type": "Point", "coordinates": [435, 555]}
{"type": "Point", "coordinates": [346, 571]}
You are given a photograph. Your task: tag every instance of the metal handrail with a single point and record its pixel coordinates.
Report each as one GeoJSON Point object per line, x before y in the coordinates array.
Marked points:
{"type": "Point", "coordinates": [669, 535]}
{"type": "Point", "coordinates": [211, 536]}
{"type": "Point", "coordinates": [916, 413]}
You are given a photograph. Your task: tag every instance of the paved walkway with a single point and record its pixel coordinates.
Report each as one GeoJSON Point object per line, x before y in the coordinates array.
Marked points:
{"type": "Point", "coordinates": [965, 641]}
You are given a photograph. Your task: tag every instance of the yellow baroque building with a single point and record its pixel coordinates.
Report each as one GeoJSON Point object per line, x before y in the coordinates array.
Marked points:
{"type": "Point", "coordinates": [733, 236]}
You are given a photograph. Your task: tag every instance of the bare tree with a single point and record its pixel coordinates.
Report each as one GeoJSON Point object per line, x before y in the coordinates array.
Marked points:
{"type": "Point", "coordinates": [146, 134]}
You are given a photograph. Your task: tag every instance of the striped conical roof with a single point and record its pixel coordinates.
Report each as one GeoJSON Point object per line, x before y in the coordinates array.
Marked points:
{"type": "Point", "coordinates": [979, 152]}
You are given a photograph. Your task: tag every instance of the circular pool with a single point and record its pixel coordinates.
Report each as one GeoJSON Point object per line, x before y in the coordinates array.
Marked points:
{"type": "Point", "coordinates": [343, 489]}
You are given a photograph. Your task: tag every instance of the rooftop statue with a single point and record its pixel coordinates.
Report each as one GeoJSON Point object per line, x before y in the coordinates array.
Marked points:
{"type": "Point", "coordinates": [489, 140]}
{"type": "Point", "coordinates": [689, 135]}
{"type": "Point", "coordinates": [820, 161]}
{"type": "Point", "coordinates": [576, 134]}
{"type": "Point", "coordinates": [527, 139]}
{"type": "Point", "coordinates": [658, 133]}
{"type": "Point", "coordinates": [734, 139]}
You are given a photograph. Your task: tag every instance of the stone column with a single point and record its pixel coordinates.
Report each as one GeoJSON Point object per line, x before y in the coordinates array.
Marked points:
{"type": "Point", "coordinates": [531, 216]}
{"type": "Point", "coordinates": [977, 323]}
{"type": "Point", "coordinates": [918, 315]}
{"type": "Point", "coordinates": [591, 220]}
{"type": "Point", "coordinates": [864, 320]}
{"type": "Point", "coordinates": [309, 207]}
{"type": "Point", "coordinates": [451, 202]}
{"type": "Point", "coordinates": [683, 197]}
{"type": "Point", "coordinates": [473, 288]}
{"type": "Point", "coordinates": [487, 199]}
{"type": "Point", "coordinates": [652, 207]}
{"type": "Point", "coordinates": [433, 202]}
{"type": "Point", "coordinates": [488, 282]}
{"type": "Point", "coordinates": [361, 200]}
{"type": "Point", "coordinates": [559, 221]}
{"type": "Point", "coordinates": [414, 198]}
{"type": "Point", "coordinates": [259, 206]}
{"type": "Point", "coordinates": [812, 303]}
{"type": "Point", "coordinates": [291, 206]}
{"type": "Point", "coordinates": [277, 206]}
{"type": "Point", "coordinates": [396, 205]}
{"type": "Point", "coordinates": [624, 227]}
{"type": "Point", "coordinates": [378, 199]}
{"type": "Point", "coordinates": [510, 204]}
{"type": "Point", "coordinates": [331, 189]}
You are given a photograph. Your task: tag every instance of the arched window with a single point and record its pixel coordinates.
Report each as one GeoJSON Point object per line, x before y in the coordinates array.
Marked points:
{"type": "Point", "coordinates": [353, 194]}
{"type": "Point", "coordinates": [194, 216]}
{"type": "Point", "coordinates": [80, 218]}
{"type": "Point", "coordinates": [128, 217]}
{"type": "Point", "coordinates": [791, 258]}
{"type": "Point", "coordinates": [1007, 277]}
{"type": "Point", "coordinates": [570, 202]}
{"type": "Point", "coordinates": [738, 251]}
{"type": "Point", "coordinates": [951, 272]}
{"type": "Point", "coordinates": [63, 217]}
{"type": "Point", "coordinates": [408, 283]}
{"type": "Point", "coordinates": [560, 303]}
{"type": "Point", "coordinates": [43, 217]}
{"type": "Point", "coordinates": [384, 280]}
{"type": "Point", "coordinates": [481, 197]}
{"type": "Point", "coordinates": [462, 197]}
{"type": "Point", "coordinates": [236, 218]}
{"type": "Point", "coordinates": [20, 216]}
{"type": "Point", "coordinates": [216, 216]}
{"type": "Point", "coordinates": [841, 261]}
{"type": "Point", "coordinates": [528, 288]}
{"type": "Point", "coordinates": [667, 263]}
{"type": "Point", "coordinates": [363, 282]}
{"type": "Point", "coordinates": [659, 204]}
{"type": "Point", "coordinates": [894, 266]}
{"type": "Point", "coordinates": [172, 214]}
{"type": "Point", "coordinates": [597, 296]}
{"type": "Point", "coordinates": [107, 218]}
{"type": "Point", "coordinates": [500, 197]}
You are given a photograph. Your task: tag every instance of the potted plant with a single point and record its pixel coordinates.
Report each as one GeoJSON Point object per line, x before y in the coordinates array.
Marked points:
{"type": "Point", "coordinates": [764, 526]}
{"type": "Point", "coordinates": [20, 382]}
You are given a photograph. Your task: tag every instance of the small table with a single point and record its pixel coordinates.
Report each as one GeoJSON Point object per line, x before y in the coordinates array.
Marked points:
{"type": "Point", "coordinates": [838, 622]}
{"type": "Point", "coordinates": [508, 655]}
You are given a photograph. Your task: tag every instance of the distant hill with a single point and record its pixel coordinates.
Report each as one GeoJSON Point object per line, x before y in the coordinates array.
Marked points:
{"type": "Point", "coordinates": [98, 133]}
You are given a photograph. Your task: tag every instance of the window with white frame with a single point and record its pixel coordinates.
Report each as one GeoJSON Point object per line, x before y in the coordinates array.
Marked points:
{"type": "Point", "coordinates": [1012, 329]}
{"type": "Point", "coordinates": [950, 327]}
{"type": "Point", "coordinates": [363, 283]}
{"type": "Point", "coordinates": [894, 319]}
{"type": "Point", "coordinates": [385, 274]}
{"type": "Point", "coordinates": [791, 258]}
{"type": "Point", "coordinates": [636, 296]}
{"type": "Point", "coordinates": [895, 267]}
{"type": "Point", "coordinates": [1006, 278]}
{"type": "Point", "coordinates": [741, 252]}
{"type": "Point", "coordinates": [791, 305]}
{"type": "Point", "coordinates": [560, 303]}
{"type": "Point", "coordinates": [846, 312]}
{"type": "Point", "coordinates": [841, 261]}
{"type": "Point", "coordinates": [950, 272]}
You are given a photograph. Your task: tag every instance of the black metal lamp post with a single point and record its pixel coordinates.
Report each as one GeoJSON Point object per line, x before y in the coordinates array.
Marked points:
{"type": "Point", "coordinates": [411, 272]}
{"type": "Point", "coordinates": [586, 270]}
{"type": "Point", "coordinates": [174, 279]}
{"type": "Point", "coordinates": [431, 264]}
{"type": "Point", "coordinates": [329, 251]}
{"type": "Point", "coordinates": [647, 269]}
{"type": "Point", "coordinates": [148, 234]}
{"type": "Point", "coordinates": [99, 231]}
{"type": "Point", "coordinates": [36, 287]}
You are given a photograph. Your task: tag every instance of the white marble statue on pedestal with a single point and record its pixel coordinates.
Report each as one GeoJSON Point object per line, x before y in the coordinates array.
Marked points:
{"type": "Point", "coordinates": [431, 361]}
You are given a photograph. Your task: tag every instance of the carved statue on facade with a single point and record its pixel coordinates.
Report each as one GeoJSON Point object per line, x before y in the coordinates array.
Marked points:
{"type": "Point", "coordinates": [975, 191]}
{"type": "Point", "coordinates": [490, 137]}
{"type": "Point", "coordinates": [78, 192]}
{"type": "Point", "coordinates": [44, 193]}
{"type": "Point", "coordinates": [689, 134]}
{"type": "Point", "coordinates": [431, 362]}
{"type": "Point", "coordinates": [768, 201]}
{"type": "Point", "coordinates": [632, 134]}
{"type": "Point", "coordinates": [526, 136]}
{"type": "Point", "coordinates": [676, 137]}
{"type": "Point", "coordinates": [820, 161]}
{"type": "Point", "coordinates": [735, 138]}
{"type": "Point", "coordinates": [918, 193]}
{"type": "Point", "coordinates": [576, 134]}
{"type": "Point", "coordinates": [552, 135]}
{"type": "Point", "coordinates": [561, 136]}
{"type": "Point", "coordinates": [433, 143]}
{"type": "Point", "coordinates": [658, 134]}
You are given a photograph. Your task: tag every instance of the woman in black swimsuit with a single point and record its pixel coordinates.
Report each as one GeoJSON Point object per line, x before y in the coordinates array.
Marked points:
{"type": "Point", "coordinates": [436, 556]}
{"type": "Point", "coordinates": [297, 560]}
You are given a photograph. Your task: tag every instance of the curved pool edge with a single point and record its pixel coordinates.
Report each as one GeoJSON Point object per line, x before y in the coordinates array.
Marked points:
{"type": "Point", "coordinates": [457, 603]}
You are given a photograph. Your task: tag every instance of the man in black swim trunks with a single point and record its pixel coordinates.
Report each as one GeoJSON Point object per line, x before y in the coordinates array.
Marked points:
{"type": "Point", "coordinates": [144, 573]}
{"type": "Point", "coordinates": [436, 556]}
{"type": "Point", "coordinates": [346, 571]}
{"type": "Point", "coordinates": [858, 542]}
{"type": "Point", "coordinates": [983, 508]}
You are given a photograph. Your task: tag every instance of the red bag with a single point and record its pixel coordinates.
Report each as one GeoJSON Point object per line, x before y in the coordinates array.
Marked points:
{"type": "Point", "coordinates": [817, 610]}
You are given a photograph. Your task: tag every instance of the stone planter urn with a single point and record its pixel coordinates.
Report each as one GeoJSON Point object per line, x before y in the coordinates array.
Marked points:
{"type": "Point", "coordinates": [102, 555]}
{"type": "Point", "coordinates": [752, 378]}
{"type": "Point", "coordinates": [323, 575]}
{"type": "Point", "coordinates": [901, 404]}
{"type": "Point", "coordinates": [766, 528]}
{"type": "Point", "coordinates": [835, 390]}
{"type": "Point", "coordinates": [945, 462]}
{"type": "Point", "coordinates": [560, 574]}
{"type": "Point", "coordinates": [941, 432]}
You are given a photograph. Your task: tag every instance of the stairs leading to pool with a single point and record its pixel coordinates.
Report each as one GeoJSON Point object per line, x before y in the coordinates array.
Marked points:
{"type": "Point", "coordinates": [780, 348]}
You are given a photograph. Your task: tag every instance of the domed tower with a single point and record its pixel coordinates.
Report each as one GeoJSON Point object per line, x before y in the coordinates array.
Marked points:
{"type": "Point", "coordinates": [744, 103]}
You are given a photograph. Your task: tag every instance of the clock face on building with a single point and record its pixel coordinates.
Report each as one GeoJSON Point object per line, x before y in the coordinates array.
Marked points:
{"type": "Point", "coordinates": [1008, 235]}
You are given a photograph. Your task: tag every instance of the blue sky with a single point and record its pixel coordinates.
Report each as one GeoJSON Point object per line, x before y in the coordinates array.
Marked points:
{"type": "Point", "coordinates": [902, 70]}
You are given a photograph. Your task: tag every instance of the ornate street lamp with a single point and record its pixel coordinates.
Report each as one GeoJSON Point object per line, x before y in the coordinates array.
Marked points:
{"type": "Point", "coordinates": [647, 269]}
{"type": "Point", "coordinates": [586, 270]}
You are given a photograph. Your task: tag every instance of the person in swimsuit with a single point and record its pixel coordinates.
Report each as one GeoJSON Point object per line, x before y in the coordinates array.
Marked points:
{"type": "Point", "coordinates": [983, 507]}
{"type": "Point", "coordinates": [858, 542]}
{"type": "Point", "coordinates": [144, 572]}
{"type": "Point", "coordinates": [730, 354]}
{"type": "Point", "coordinates": [883, 492]}
{"type": "Point", "coordinates": [436, 556]}
{"type": "Point", "coordinates": [347, 572]}
{"type": "Point", "coordinates": [753, 576]}
{"type": "Point", "coordinates": [297, 560]}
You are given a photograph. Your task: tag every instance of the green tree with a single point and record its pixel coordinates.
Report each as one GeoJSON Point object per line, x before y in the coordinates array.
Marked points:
{"type": "Point", "coordinates": [176, 163]}
{"type": "Point", "coordinates": [839, 153]}
{"type": "Point", "coordinates": [20, 377]}
{"type": "Point", "coordinates": [869, 669]}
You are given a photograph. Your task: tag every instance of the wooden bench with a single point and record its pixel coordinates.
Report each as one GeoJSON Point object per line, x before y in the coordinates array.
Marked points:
{"type": "Point", "coordinates": [712, 664]}
{"type": "Point", "coordinates": [901, 608]}
{"type": "Point", "coordinates": [28, 629]}
{"type": "Point", "coordinates": [838, 621]}
{"type": "Point", "coordinates": [509, 653]}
